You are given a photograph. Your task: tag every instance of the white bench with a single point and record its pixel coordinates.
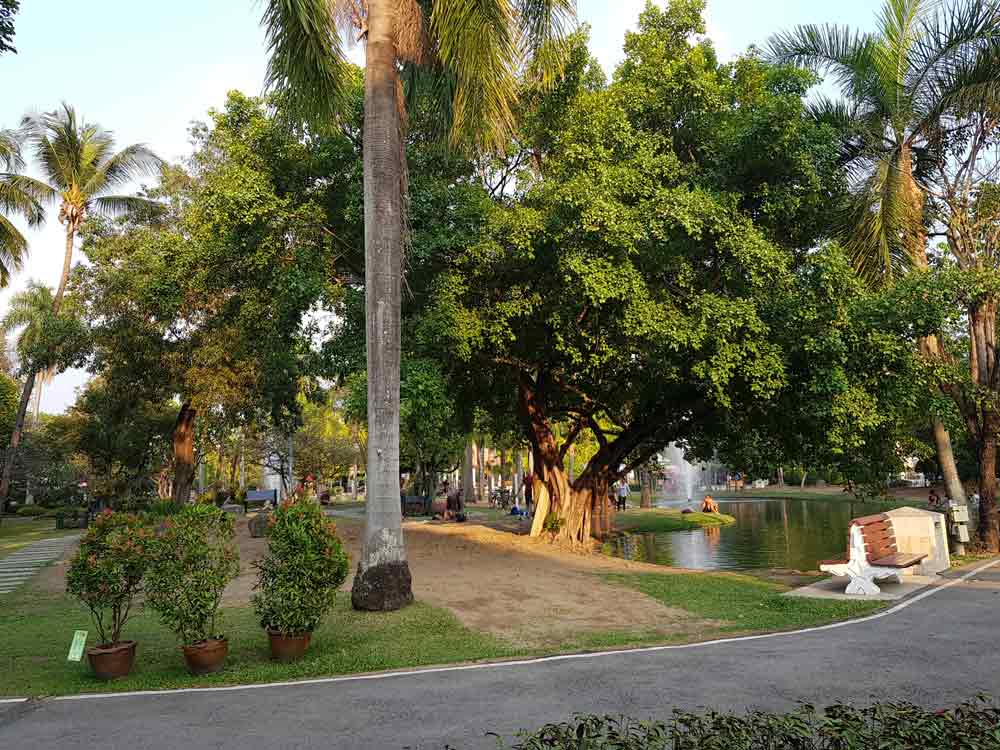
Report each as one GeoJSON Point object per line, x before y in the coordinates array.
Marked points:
{"type": "Point", "coordinates": [871, 556]}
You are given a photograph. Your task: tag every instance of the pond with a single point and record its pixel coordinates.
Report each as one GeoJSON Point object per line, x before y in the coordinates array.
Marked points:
{"type": "Point", "coordinates": [792, 534]}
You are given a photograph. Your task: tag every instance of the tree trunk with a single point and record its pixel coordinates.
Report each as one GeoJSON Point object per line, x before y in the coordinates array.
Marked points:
{"type": "Point", "coordinates": [469, 472]}
{"type": "Point", "coordinates": [481, 494]}
{"type": "Point", "coordinates": [518, 478]}
{"type": "Point", "coordinates": [383, 579]}
{"type": "Point", "coordinates": [946, 459]}
{"type": "Point", "coordinates": [802, 484]}
{"type": "Point", "coordinates": [989, 527]}
{"type": "Point", "coordinates": [781, 476]}
{"type": "Point", "coordinates": [184, 454]}
{"type": "Point", "coordinates": [646, 499]}
{"type": "Point", "coordinates": [67, 265]}
{"type": "Point", "coordinates": [15, 440]}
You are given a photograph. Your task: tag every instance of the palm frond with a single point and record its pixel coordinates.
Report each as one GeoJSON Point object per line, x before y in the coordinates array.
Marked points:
{"type": "Point", "coordinates": [13, 250]}
{"type": "Point", "coordinates": [878, 225]}
{"type": "Point", "coordinates": [306, 59]}
{"type": "Point", "coordinates": [126, 205]}
{"type": "Point", "coordinates": [477, 41]}
{"type": "Point", "coordinates": [23, 196]}
{"type": "Point", "coordinates": [125, 167]}
{"type": "Point", "coordinates": [10, 152]}
{"type": "Point", "coordinates": [545, 27]}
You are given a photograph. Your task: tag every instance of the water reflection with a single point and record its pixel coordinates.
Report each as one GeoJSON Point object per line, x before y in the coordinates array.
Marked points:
{"type": "Point", "coordinates": [792, 534]}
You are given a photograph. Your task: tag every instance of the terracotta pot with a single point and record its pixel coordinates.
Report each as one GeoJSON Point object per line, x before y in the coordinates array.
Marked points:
{"type": "Point", "coordinates": [285, 647]}
{"type": "Point", "coordinates": [112, 660]}
{"type": "Point", "coordinates": [207, 656]}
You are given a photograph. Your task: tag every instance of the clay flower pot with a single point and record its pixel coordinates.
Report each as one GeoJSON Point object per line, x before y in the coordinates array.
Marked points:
{"type": "Point", "coordinates": [206, 656]}
{"type": "Point", "coordinates": [112, 660]}
{"type": "Point", "coordinates": [288, 647]}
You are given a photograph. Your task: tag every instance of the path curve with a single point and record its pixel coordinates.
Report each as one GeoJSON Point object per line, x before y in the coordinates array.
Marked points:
{"type": "Point", "coordinates": [935, 649]}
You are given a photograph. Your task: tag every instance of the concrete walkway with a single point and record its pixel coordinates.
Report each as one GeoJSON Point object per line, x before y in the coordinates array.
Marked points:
{"type": "Point", "coordinates": [934, 649]}
{"type": "Point", "coordinates": [19, 566]}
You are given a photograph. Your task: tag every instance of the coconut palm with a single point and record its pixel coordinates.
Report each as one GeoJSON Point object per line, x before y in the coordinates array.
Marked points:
{"type": "Point", "coordinates": [898, 82]}
{"type": "Point", "coordinates": [81, 173]}
{"type": "Point", "coordinates": [472, 54]}
{"type": "Point", "coordinates": [19, 196]}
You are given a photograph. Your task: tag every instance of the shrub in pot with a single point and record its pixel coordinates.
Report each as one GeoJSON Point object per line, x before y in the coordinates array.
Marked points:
{"type": "Point", "coordinates": [299, 576]}
{"type": "Point", "coordinates": [106, 575]}
{"type": "Point", "coordinates": [195, 558]}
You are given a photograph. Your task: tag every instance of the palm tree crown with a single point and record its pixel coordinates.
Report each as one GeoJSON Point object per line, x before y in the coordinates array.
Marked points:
{"type": "Point", "coordinates": [471, 53]}
{"type": "Point", "coordinates": [82, 172]}
{"type": "Point", "coordinates": [898, 83]}
{"type": "Point", "coordinates": [27, 311]}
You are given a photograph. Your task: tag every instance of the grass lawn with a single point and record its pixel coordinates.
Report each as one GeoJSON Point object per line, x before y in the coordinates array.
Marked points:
{"type": "Point", "coordinates": [16, 534]}
{"type": "Point", "coordinates": [38, 629]}
{"type": "Point", "coordinates": [745, 604]}
{"type": "Point", "coordinates": [659, 520]}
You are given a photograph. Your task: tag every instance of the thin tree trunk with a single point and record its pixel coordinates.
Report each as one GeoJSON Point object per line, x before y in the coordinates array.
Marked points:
{"type": "Point", "coordinates": [646, 498]}
{"type": "Point", "coordinates": [383, 579]}
{"type": "Point", "coordinates": [184, 454]}
{"type": "Point", "coordinates": [469, 472]}
{"type": "Point", "coordinates": [15, 440]}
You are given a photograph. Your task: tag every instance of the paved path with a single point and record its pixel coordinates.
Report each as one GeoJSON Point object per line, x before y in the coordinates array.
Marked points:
{"type": "Point", "coordinates": [19, 566]}
{"type": "Point", "coordinates": [933, 649]}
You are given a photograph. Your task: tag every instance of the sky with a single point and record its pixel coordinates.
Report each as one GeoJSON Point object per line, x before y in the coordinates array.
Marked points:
{"type": "Point", "coordinates": [147, 70]}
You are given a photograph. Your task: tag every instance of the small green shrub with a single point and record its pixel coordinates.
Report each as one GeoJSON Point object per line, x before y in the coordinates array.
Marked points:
{"type": "Point", "coordinates": [161, 509]}
{"type": "Point", "coordinates": [304, 566]}
{"type": "Point", "coordinates": [107, 570]}
{"type": "Point", "coordinates": [31, 511]}
{"type": "Point", "coordinates": [195, 558]}
{"type": "Point", "coordinates": [553, 524]}
{"type": "Point", "coordinates": [974, 725]}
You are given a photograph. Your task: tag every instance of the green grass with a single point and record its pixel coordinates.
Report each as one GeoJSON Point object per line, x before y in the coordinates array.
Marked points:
{"type": "Point", "coordinates": [660, 520]}
{"type": "Point", "coordinates": [38, 629]}
{"type": "Point", "coordinates": [742, 603]}
{"type": "Point", "coordinates": [17, 534]}
{"type": "Point", "coordinates": [958, 561]}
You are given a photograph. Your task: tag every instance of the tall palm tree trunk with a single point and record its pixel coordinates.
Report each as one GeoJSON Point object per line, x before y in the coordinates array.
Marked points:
{"type": "Point", "coordinates": [29, 382]}
{"type": "Point", "coordinates": [67, 265]}
{"type": "Point", "coordinates": [383, 579]}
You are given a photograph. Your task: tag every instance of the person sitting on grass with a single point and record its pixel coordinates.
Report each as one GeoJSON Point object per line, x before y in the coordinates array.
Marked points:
{"type": "Point", "coordinates": [708, 505]}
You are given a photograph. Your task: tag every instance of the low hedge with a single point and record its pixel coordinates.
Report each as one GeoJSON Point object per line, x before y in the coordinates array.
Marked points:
{"type": "Point", "coordinates": [974, 725]}
{"type": "Point", "coordinates": [31, 511]}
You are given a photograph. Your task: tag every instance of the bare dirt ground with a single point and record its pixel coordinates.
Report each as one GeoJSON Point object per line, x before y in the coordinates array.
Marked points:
{"type": "Point", "coordinates": [506, 584]}
{"type": "Point", "coordinates": [494, 579]}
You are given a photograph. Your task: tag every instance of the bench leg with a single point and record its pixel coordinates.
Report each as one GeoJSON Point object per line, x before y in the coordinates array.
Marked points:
{"type": "Point", "coordinates": [862, 585]}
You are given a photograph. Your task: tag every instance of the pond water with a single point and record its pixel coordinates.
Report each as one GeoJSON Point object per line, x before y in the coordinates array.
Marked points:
{"type": "Point", "coordinates": [793, 534]}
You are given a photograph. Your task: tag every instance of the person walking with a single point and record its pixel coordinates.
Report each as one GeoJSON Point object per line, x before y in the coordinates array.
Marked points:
{"type": "Point", "coordinates": [622, 494]}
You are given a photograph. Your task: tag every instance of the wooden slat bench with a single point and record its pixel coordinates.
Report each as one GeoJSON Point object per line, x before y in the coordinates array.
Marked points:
{"type": "Point", "coordinates": [871, 555]}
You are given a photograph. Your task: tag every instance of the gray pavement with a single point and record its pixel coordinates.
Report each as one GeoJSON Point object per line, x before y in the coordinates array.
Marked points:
{"type": "Point", "coordinates": [934, 649]}
{"type": "Point", "coordinates": [20, 566]}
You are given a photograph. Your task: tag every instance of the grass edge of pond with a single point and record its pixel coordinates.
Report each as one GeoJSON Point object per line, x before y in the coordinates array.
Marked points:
{"type": "Point", "coordinates": [665, 520]}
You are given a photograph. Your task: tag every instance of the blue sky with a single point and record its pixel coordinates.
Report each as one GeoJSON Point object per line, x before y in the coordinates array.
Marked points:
{"type": "Point", "coordinates": [146, 70]}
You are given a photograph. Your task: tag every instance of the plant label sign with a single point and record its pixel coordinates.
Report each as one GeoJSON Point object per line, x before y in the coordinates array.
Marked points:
{"type": "Point", "coordinates": [76, 649]}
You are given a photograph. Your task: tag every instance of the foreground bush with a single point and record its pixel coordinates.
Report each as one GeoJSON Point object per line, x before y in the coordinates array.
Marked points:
{"type": "Point", "coordinates": [974, 725]}
{"type": "Point", "coordinates": [107, 570]}
{"type": "Point", "coordinates": [304, 566]}
{"type": "Point", "coordinates": [31, 511]}
{"type": "Point", "coordinates": [195, 558]}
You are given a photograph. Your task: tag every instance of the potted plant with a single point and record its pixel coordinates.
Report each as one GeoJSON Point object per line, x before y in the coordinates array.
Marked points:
{"type": "Point", "coordinates": [196, 557]}
{"type": "Point", "coordinates": [299, 576]}
{"type": "Point", "coordinates": [106, 575]}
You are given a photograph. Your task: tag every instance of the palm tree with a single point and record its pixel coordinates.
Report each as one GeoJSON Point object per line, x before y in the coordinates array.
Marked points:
{"type": "Point", "coordinates": [27, 312]}
{"type": "Point", "coordinates": [19, 196]}
{"type": "Point", "coordinates": [81, 172]}
{"type": "Point", "coordinates": [472, 54]}
{"type": "Point", "coordinates": [898, 83]}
